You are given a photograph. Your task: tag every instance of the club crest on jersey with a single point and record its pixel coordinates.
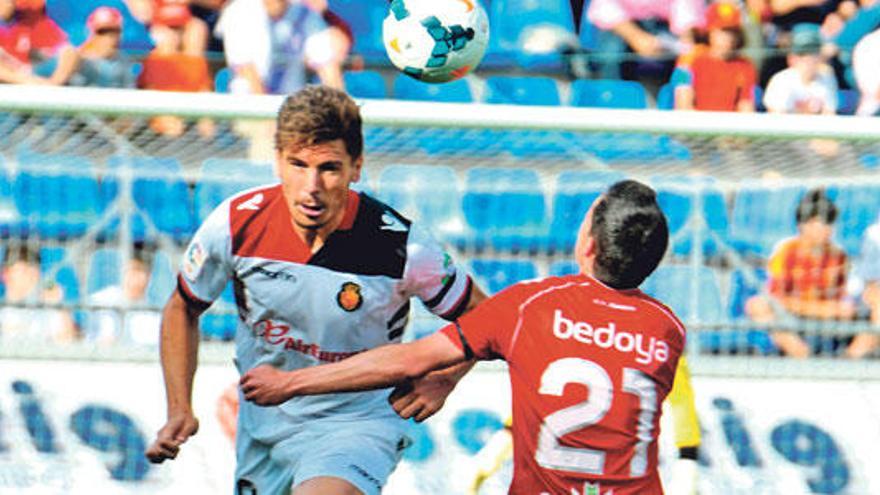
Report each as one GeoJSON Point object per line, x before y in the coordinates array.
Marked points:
{"type": "Point", "coordinates": [349, 297]}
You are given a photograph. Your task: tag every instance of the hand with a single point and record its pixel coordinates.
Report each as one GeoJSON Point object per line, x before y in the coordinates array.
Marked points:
{"type": "Point", "coordinates": [647, 45]}
{"type": "Point", "coordinates": [265, 386]}
{"type": "Point", "coordinates": [176, 431]}
{"type": "Point", "coordinates": [423, 397]}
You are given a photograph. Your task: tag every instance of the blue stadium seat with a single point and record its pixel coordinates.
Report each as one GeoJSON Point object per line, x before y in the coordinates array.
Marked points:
{"type": "Point", "coordinates": [105, 266]}
{"type": "Point", "coordinates": [666, 97]}
{"type": "Point", "coordinates": [511, 22]}
{"type": "Point", "coordinates": [222, 79]}
{"type": "Point", "coordinates": [607, 93]}
{"type": "Point", "coordinates": [633, 148]}
{"type": "Point", "coordinates": [563, 267]}
{"type": "Point", "coordinates": [71, 16]}
{"type": "Point", "coordinates": [522, 90]}
{"type": "Point", "coordinates": [575, 192]}
{"type": "Point", "coordinates": [847, 101]}
{"type": "Point", "coordinates": [505, 207]}
{"type": "Point", "coordinates": [677, 196]}
{"type": "Point", "coordinates": [407, 88]}
{"type": "Point", "coordinates": [159, 193]}
{"type": "Point", "coordinates": [588, 33]}
{"type": "Point", "coordinates": [220, 178]}
{"type": "Point", "coordinates": [762, 216]}
{"type": "Point", "coordinates": [365, 84]}
{"type": "Point", "coordinates": [695, 301]}
{"type": "Point", "coordinates": [56, 195]}
{"type": "Point", "coordinates": [494, 275]}
{"type": "Point", "coordinates": [218, 326]}
{"type": "Point", "coordinates": [162, 279]}
{"type": "Point", "coordinates": [858, 206]}
{"type": "Point", "coordinates": [427, 194]}
{"type": "Point", "coordinates": [8, 212]}
{"type": "Point", "coordinates": [365, 18]}
{"type": "Point", "coordinates": [745, 283]}
{"type": "Point", "coordinates": [54, 260]}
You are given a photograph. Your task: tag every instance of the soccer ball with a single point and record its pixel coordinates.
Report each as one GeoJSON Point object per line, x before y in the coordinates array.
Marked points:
{"type": "Point", "coordinates": [435, 40]}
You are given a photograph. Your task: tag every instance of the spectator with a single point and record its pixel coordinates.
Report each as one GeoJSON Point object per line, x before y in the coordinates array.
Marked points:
{"type": "Point", "coordinates": [715, 77]}
{"type": "Point", "coordinates": [101, 62]}
{"type": "Point", "coordinates": [21, 276]}
{"type": "Point", "coordinates": [807, 280]}
{"type": "Point", "coordinates": [165, 70]}
{"type": "Point", "coordinates": [808, 85]}
{"type": "Point", "coordinates": [270, 43]}
{"type": "Point", "coordinates": [32, 43]}
{"type": "Point", "coordinates": [865, 285]}
{"type": "Point", "coordinates": [172, 25]}
{"type": "Point", "coordinates": [122, 317]}
{"type": "Point", "coordinates": [648, 28]}
{"type": "Point", "coordinates": [779, 18]}
{"type": "Point", "coordinates": [7, 10]}
{"type": "Point", "coordinates": [866, 70]}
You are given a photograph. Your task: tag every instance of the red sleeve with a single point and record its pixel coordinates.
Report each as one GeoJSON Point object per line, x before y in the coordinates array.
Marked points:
{"type": "Point", "coordinates": [486, 331]}
{"type": "Point", "coordinates": [48, 36]}
{"type": "Point", "coordinates": [749, 80]}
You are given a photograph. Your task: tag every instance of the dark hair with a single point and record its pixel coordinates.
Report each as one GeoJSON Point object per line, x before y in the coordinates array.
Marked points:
{"type": "Point", "coordinates": [815, 204]}
{"type": "Point", "coordinates": [318, 114]}
{"type": "Point", "coordinates": [143, 253]}
{"type": "Point", "coordinates": [21, 252]}
{"type": "Point", "coordinates": [630, 233]}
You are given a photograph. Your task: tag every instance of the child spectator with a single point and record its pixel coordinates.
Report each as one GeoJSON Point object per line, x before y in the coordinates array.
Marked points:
{"type": "Point", "coordinates": [172, 25]}
{"type": "Point", "coordinates": [21, 317]}
{"type": "Point", "coordinates": [808, 85]}
{"type": "Point", "coordinates": [32, 42]}
{"type": "Point", "coordinates": [714, 76]}
{"type": "Point", "coordinates": [807, 281]}
{"type": "Point", "coordinates": [101, 63]}
{"type": "Point", "coordinates": [128, 321]}
{"type": "Point", "coordinates": [165, 70]}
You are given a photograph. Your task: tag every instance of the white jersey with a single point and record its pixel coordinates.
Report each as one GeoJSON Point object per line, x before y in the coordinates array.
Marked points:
{"type": "Point", "coordinates": [298, 309]}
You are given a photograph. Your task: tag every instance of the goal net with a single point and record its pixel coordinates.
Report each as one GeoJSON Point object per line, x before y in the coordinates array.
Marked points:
{"type": "Point", "coordinates": [98, 184]}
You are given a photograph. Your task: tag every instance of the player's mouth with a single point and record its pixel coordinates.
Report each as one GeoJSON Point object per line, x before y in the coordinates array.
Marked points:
{"type": "Point", "coordinates": [311, 210]}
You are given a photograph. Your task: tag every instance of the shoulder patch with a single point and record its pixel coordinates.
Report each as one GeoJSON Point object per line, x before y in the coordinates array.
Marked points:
{"type": "Point", "coordinates": [194, 260]}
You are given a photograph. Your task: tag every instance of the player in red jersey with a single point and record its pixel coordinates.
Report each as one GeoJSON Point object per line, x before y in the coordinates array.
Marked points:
{"type": "Point", "coordinates": [591, 358]}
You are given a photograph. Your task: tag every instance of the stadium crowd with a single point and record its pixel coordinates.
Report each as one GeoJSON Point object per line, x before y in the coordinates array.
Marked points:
{"type": "Point", "coordinates": [795, 56]}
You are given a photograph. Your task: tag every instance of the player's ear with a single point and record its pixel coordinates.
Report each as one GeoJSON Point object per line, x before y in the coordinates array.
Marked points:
{"type": "Point", "coordinates": [358, 164]}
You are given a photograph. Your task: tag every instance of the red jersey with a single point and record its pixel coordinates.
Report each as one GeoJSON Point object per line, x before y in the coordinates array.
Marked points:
{"type": "Point", "coordinates": [589, 369]}
{"type": "Point", "coordinates": [811, 274]}
{"type": "Point", "coordinates": [34, 34]}
{"type": "Point", "coordinates": [719, 85]}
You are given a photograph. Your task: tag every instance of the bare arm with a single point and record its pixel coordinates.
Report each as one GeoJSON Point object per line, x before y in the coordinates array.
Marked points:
{"type": "Point", "coordinates": [377, 368]}
{"type": "Point", "coordinates": [179, 344]}
{"type": "Point", "coordinates": [641, 41]}
{"type": "Point", "coordinates": [142, 10]}
{"type": "Point", "coordinates": [68, 62]}
{"type": "Point", "coordinates": [421, 398]}
{"type": "Point", "coordinates": [249, 73]}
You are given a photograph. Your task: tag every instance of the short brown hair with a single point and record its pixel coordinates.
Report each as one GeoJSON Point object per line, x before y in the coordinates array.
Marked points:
{"type": "Point", "coordinates": [318, 114]}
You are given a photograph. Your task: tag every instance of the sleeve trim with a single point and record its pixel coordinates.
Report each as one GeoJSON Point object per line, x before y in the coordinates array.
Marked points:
{"type": "Point", "coordinates": [460, 305]}
{"type": "Point", "coordinates": [436, 300]}
{"type": "Point", "coordinates": [190, 298]}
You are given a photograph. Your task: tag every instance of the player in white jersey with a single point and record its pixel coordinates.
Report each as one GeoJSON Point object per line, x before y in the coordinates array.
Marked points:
{"type": "Point", "coordinates": [320, 273]}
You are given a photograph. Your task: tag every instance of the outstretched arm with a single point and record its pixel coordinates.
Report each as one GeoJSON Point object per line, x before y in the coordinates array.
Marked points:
{"type": "Point", "coordinates": [179, 349]}
{"type": "Point", "coordinates": [421, 398]}
{"type": "Point", "coordinates": [374, 369]}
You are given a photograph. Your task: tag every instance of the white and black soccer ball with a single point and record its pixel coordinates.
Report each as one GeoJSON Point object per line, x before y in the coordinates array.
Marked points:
{"type": "Point", "coordinates": [436, 40]}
